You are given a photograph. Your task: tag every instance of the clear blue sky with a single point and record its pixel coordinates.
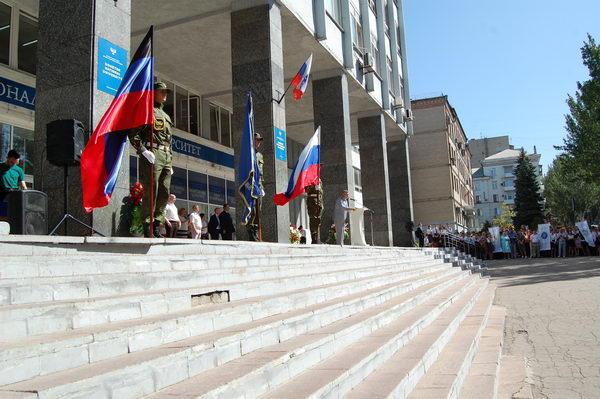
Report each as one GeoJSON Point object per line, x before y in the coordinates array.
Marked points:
{"type": "Point", "coordinates": [506, 66]}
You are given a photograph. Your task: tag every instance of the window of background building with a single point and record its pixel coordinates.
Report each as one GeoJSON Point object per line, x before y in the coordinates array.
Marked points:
{"type": "Point", "coordinates": [334, 9]}
{"type": "Point", "coordinates": [357, 33]}
{"type": "Point", "coordinates": [21, 140]}
{"type": "Point", "coordinates": [194, 114]}
{"type": "Point", "coordinates": [216, 190]}
{"type": "Point", "coordinates": [231, 193]}
{"type": "Point", "coordinates": [198, 187]}
{"type": "Point", "coordinates": [5, 12]}
{"type": "Point", "coordinates": [386, 19]}
{"type": "Point", "coordinates": [169, 106]}
{"type": "Point", "coordinates": [494, 185]}
{"type": "Point", "coordinates": [179, 186]}
{"type": "Point", "coordinates": [357, 180]}
{"type": "Point", "coordinates": [220, 125]}
{"type": "Point", "coordinates": [181, 109]}
{"type": "Point", "coordinates": [495, 197]}
{"type": "Point", "coordinates": [373, 7]}
{"type": "Point", "coordinates": [28, 38]}
{"type": "Point", "coordinates": [390, 75]}
{"type": "Point", "coordinates": [375, 54]}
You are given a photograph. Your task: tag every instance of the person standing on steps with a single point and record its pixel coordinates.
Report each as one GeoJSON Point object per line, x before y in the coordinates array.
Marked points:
{"type": "Point", "coordinates": [153, 145]}
{"type": "Point", "coordinates": [227, 226]}
{"type": "Point", "coordinates": [314, 205]}
{"type": "Point", "coordinates": [340, 214]}
{"type": "Point", "coordinates": [214, 225]}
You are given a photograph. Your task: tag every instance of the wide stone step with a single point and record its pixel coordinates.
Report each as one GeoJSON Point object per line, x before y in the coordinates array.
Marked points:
{"type": "Point", "coordinates": [445, 378]}
{"type": "Point", "coordinates": [46, 317]}
{"type": "Point", "coordinates": [399, 375]}
{"type": "Point", "coordinates": [46, 289]}
{"type": "Point", "coordinates": [254, 374]}
{"type": "Point", "coordinates": [27, 358]}
{"type": "Point", "coordinates": [337, 375]}
{"type": "Point", "coordinates": [144, 372]}
{"type": "Point", "coordinates": [483, 378]}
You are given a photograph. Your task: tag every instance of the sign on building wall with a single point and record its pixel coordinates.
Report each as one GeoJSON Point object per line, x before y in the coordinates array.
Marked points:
{"type": "Point", "coordinates": [200, 151]}
{"type": "Point", "coordinates": [280, 144]}
{"type": "Point", "coordinates": [112, 64]}
{"type": "Point", "coordinates": [17, 94]}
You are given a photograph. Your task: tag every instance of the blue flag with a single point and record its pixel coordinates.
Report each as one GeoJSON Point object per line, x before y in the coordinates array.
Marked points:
{"type": "Point", "coordinates": [249, 174]}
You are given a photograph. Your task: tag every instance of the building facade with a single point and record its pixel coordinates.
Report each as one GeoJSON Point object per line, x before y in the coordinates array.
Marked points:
{"type": "Point", "coordinates": [440, 166]}
{"type": "Point", "coordinates": [495, 184]}
{"type": "Point", "coordinates": [486, 147]}
{"type": "Point", "coordinates": [211, 54]}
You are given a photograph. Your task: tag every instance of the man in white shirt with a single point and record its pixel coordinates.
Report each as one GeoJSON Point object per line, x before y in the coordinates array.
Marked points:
{"type": "Point", "coordinates": [195, 222]}
{"type": "Point", "coordinates": [535, 245]}
{"type": "Point", "coordinates": [172, 218]}
{"type": "Point", "coordinates": [340, 214]}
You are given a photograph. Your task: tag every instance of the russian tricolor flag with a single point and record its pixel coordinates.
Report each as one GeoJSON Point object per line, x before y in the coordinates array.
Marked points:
{"type": "Point", "coordinates": [307, 171]}
{"type": "Point", "coordinates": [300, 81]}
{"type": "Point", "coordinates": [131, 108]}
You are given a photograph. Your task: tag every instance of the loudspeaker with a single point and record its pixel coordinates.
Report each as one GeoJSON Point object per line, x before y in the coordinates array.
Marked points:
{"type": "Point", "coordinates": [28, 212]}
{"type": "Point", "coordinates": [65, 139]}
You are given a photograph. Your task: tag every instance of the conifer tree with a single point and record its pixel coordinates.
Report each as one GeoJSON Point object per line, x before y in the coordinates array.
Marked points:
{"type": "Point", "coordinates": [528, 201]}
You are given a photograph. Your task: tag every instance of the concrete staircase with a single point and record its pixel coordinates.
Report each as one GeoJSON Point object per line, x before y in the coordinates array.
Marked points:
{"type": "Point", "coordinates": [138, 318]}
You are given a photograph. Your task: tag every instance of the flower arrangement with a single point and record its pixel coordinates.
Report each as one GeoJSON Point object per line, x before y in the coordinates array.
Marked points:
{"type": "Point", "coordinates": [331, 238]}
{"type": "Point", "coordinates": [136, 193]}
{"type": "Point", "coordinates": [295, 235]}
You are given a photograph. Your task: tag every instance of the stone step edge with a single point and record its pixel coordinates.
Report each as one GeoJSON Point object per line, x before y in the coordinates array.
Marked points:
{"type": "Point", "coordinates": [176, 349]}
{"type": "Point", "coordinates": [91, 286]}
{"type": "Point", "coordinates": [352, 377]}
{"type": "Point", "coordinates": [406, 384]}
{"type": "Point", "coordinates": [477, 383]}
{"type": "Point", "coordinates": [400, 287]}
{"type": "Point", "coordinates": [467, 360]}
{"type": "Point", "coordinates": [297, 355]}
{"type": "Point", "coordinates": [174, 292]}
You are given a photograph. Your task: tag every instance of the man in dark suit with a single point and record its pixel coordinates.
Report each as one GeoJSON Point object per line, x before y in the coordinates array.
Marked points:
{"type": "Point", "coordinates": [227, 227]}
{"type": "Point", "coordinates": [214, 225]}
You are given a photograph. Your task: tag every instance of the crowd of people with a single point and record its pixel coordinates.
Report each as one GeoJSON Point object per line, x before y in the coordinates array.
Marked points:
{"type": "Point", "coordinates": [511, 243]}
{"type": "Point", "coordinates": [195, 225]}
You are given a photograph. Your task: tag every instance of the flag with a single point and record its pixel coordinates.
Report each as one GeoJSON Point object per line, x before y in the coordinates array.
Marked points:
{"type": "Point", "coordinates": [545, 237]}
{"type": "Point", "coordinates": [131, 108]}
{"type": "Point", "coordinates": [307, 171]}
{"type": "Point", "coordinates": [584, 229]}
{"type": "Point", "coordinates": [249, 173]}
{"type": "Point", "coordinates": [300, 81]}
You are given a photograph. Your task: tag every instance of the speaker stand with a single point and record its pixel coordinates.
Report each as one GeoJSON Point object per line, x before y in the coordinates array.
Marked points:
{"type": "Point", "coordinates": [67, 216]}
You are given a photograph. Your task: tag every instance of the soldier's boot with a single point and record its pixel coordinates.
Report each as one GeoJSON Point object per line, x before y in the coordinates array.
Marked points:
{"type": "Point", "coordinates": [314, 238]}
{"type": "Point", "coordinates": [252, 233]}
{"type": "Point", "coordinates": [156, 229]}
{"type": "Point", "coordinates": [146, 227]}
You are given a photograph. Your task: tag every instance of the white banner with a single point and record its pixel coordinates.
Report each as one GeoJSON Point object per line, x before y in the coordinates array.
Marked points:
{"type": "Point", "coordinates": [495, 233]}
{"type": "Point", "coordinates": [584, 229]}
{"type": "Point", "coordinates": [545, 237]}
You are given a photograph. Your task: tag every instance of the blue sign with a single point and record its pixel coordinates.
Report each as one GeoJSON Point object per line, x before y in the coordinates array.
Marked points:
{"type": "Point", "coordinates": [112, 65]}
{"type": "Point", "coordinates": [200, 151]}
{"type": "Point", "coordinates": [17, 94]}
{"type": "Point", "coordinates": [280, 145]}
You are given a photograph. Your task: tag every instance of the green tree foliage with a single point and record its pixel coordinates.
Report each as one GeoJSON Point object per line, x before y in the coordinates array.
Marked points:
{"type": "Point", "coordinates": [505, 220]}
{"type": "Point", "coordinates": [582, 144]}
{"type": "Point", "coordinates": [568, 197]}
{"type": "Point", "coordinates": [528, 201]}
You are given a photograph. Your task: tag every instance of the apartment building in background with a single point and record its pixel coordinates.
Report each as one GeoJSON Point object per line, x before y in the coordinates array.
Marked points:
{"type": "Point", "coordinates": [440, 163]}
{"type": "Point", "coordinates": [486, 147]}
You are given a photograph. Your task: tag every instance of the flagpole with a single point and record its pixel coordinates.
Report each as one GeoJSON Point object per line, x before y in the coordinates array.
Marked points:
{"type": "Point", "coordinates": [151, 227]}
{"type": "Point", "coordinates": [284, 93]}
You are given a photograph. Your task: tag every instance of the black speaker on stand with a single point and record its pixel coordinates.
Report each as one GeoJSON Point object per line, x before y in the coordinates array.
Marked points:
{"type": "Point", "coordinates": [27, 212]}
{"type": "Point", "coordinates": [65, 139]}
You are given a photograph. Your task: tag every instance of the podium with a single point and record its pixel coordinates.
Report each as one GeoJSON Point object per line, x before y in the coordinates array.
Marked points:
{"type": "Point", "coordinates": [357, 221]}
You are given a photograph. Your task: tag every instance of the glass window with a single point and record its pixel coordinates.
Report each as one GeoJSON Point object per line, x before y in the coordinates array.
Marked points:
{"type": "Point", "coordinates": [225, 128]}
{"type": "Point", "coordinates": [334, 9]}
{"type": "Point", "coordinates": [133, 170]}
{"type": "Point", "coordinates": [375, 53]}
{"type": "Point", "coordinates": [216, 190]}
{"type": "Point", "coordinates": [194, 119]}
{"type": "Point", "coordinates": [28, 38]}
{"type": "Point", "coordinates": [23, 143]}
{"type": "Point", "coordinates": [4, 33]}
{"type": "Point", "coordinates": [198, 187]}
{"type": "Point", "coordinates": [357, 178]}
{"type": "Point", "coordinates": [179, 183]}
{"type": "Point", "coordinates": [231, 193]}
{"type": "Point", "coordinates": [214, 123]}
{"type": "Point", "coordinates": [4, 140]}
{"type": "Point", "coordinates": [373, 7]}
{"type": "Point", "coordinates": [181, 108]}
{"type": "Point", "coordinates": [357, 34]}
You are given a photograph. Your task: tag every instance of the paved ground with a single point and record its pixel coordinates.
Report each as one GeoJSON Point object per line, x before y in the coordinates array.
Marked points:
{"type": "Point", "coordinates": [553, 319]}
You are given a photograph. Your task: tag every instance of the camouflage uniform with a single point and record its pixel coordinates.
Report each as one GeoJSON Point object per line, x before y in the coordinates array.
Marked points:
{"type": "Point", "coordinates": [252, 227]}
{"type": "Point", "coordinates": [314, 204]}
{"type": "Point", "coordinates": [163, 164]}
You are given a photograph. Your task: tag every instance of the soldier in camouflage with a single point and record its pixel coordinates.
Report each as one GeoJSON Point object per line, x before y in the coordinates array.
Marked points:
{"type": "Point", "coordinates": [314, 205]}
{"type": "Point", "coordinates": [156, 157]}
{"type": "Point", "coordinates": [253, 225]}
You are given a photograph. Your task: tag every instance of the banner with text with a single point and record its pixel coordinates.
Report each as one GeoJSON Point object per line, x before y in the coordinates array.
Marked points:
{"type": "Point", "coordinates": [584, 229]}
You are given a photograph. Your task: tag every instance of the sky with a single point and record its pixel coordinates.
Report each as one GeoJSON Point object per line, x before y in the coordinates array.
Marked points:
{"type": "Point", "coordinates": [506, 66]}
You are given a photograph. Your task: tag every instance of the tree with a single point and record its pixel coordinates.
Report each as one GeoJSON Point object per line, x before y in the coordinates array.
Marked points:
{"type": "Point", "coordinates": [528, 201]}
{"type": "Point", "coordinates": [505, 220]}
{"type": "Point", "coordinates": [568, 197]}
{"type": "Point", "coordinates": [582, 145]}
